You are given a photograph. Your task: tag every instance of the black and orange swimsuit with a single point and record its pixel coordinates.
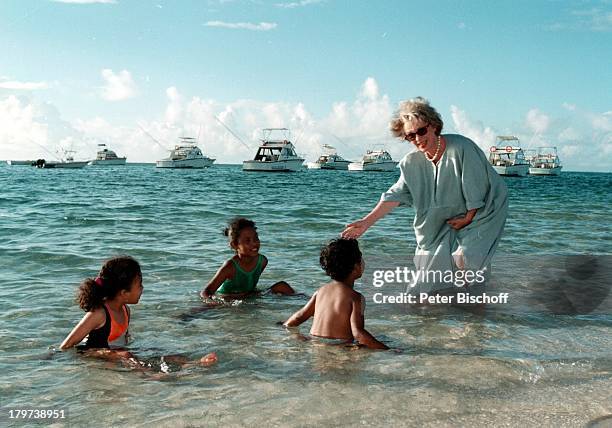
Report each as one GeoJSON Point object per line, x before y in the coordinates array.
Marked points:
{"type": "Point", "coordinates": [112, 333]}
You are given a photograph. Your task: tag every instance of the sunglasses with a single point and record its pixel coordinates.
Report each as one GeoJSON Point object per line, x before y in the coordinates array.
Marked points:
{"type": "Point", "coordinates": [411, 136]}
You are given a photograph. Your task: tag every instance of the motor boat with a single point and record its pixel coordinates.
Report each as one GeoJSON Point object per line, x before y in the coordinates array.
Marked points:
{"type": "Point", "coordinates": [276, 153]}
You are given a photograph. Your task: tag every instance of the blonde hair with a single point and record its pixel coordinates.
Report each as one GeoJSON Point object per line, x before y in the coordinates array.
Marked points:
{"type": "Point", "coordinates": [415, 109]}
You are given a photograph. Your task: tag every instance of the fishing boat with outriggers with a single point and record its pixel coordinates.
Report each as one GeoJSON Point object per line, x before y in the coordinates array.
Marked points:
{"type": "Point", "coordinates": [66, 160]}
{"type": "Point", "coordinates": [330, 159]}
{"type": "Point", "coordinates": [107, 157]}
{"type": "Point", "coordinates": [374, 160]}
{"type": "Point", "coordinates": [507, 157]}
{"type": "Point", "coordinates": [276, 153]}
{"type": "Point", "coordinates": [545, 162]}
{"type": "Point", "coordinates": [186, 154]}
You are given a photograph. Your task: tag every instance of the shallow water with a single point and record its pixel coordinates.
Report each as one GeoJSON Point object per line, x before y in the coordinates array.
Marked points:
{"type": "Point", "coordinates": [517, 364]}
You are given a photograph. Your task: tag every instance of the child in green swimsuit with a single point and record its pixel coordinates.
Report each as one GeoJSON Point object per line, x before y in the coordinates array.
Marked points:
{"type": "Point", "coordinates": [239, 275]}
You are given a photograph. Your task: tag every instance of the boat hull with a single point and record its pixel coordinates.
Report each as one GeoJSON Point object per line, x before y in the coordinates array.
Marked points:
{"type": "Point", "coordinates": [375, 166]}
{"type": "Point", "coordinates": [545, 171]}
{"type": "Point", "coordinates": [185, 163]}
{"type": "Point", "coordinates": [313, 165]}
{"type": "Point", "coordinates": [290, 165]}
{"type": "Point", "coordinates": [20, 162]}
{"type": "Point", "coordinates": [340, 166]}
{"type": "Point", "coordinates": [108, 162]}
{"type": "Point", "coordinates": [512, 170]}
{"type": "Point", "coordinates": [69, 165]}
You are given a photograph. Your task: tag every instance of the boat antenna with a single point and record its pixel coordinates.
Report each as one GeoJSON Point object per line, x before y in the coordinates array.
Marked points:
{"type": "Point", "coordinates": [199, 132]}
{"type": "Point", "coordinates": [535, 135]}
{"type": "Point", "coordinates": [351, 150]}
{"type": "Point", "coordinates": [299, 137]}
{"type": "Point", "coordinates": [45, 149]}
{"type": "Point", "coordinates": [232, 132]}
{"type": "Point", "coordinates": [152, 137]}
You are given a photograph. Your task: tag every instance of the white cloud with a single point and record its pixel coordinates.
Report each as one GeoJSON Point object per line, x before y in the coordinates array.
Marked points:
{"type": "Point", "coordinates": [293, 5]}
{"type": "Point", "coordinates": [32, 130]}
{"type": "Point", "coordinates": [569, 106]}
{"type": "Point", "coordinates": [85, 1]}
{"type": "Point", "coordinates": [369, 89]}
{"type": "Point", "coordinates": [475, 130]}
{"type": "Point", "coordinates": [602, 122]}
{"type": "Point", "coordinates": [174, 109]}
{"type": "Point", "coordinates": [568, 152]}
{"type": "Point", "coordinates": [595, 19]}
{"type": "Point", "coordinates": [569, 135]}
{"type": "Point", "coordinates": [359, 124]}
{"type": "Point", "coordinates": [584, 138]}
{"type": "Point", "coordinates": [461, 26]}
{"type": "Point", "coordinates": [262, 26]}
{"type": "Point", "coordinates": [537, 121]}
{"type": "Point", "coordinates": [24, 86]}
{"type": "Point", "coordinates": [119, 86]}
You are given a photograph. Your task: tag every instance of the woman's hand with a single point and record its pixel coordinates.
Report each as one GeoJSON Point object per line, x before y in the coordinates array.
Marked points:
{"type": "Point", "coordinates": [355, 229]}
{"type": "Point", "coordinates": [460, 222]}
{"type": "Point", "coordinates": [358, 228]}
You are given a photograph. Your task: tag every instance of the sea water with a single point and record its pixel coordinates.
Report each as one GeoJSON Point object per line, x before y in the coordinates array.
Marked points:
{"type": "Point", "coordinates": [520, 364]}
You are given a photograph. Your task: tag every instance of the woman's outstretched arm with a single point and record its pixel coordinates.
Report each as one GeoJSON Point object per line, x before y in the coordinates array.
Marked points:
{"type": "Point", "coordinates": [358, 228]}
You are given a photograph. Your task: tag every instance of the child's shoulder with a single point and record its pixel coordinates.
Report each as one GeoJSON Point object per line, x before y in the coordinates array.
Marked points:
{"type": "Point", "coordinates": [340, 290]}
{"type": "Point", "coordinates": [230, 262]}
{"type": "Point", "coordinates": [97, 316]}
{"type": "Point", "coordinates": [98, 312]}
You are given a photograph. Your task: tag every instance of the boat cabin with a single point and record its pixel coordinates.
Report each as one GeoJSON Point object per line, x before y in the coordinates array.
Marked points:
{"type": "Point", "coordinates": [506, 156]}
{"type": "Point", "coordinates": [274, 151]}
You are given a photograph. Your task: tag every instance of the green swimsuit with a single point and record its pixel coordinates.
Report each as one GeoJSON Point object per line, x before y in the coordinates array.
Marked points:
{"type": "Point", "coordinates": [243, 282]}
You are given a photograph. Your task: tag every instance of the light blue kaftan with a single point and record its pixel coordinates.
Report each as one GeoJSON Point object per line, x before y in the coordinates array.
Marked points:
{"type": "Point", "coordinates": [462, 180]}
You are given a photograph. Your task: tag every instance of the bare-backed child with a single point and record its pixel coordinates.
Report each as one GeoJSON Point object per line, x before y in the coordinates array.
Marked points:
{"type": "Point", "coordinates": [337, 308]}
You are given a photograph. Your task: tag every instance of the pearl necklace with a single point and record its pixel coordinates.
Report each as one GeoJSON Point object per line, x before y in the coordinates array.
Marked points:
{"type": "Point", "coordinates": [433, 158]}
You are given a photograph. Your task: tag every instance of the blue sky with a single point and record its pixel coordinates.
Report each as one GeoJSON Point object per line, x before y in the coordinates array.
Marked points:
{"type": "Point", "coordinates": [74, 73]}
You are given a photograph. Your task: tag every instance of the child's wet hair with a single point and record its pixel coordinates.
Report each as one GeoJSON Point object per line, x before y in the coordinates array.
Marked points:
{"type": "Point", "coordinates": [115, 275]}
{"type": "Point", "coordinates": [235, 226]}
{"type": "Point", "coordinates": [339, 257]}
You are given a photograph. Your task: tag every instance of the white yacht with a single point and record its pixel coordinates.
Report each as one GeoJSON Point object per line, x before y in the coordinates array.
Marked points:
{"type": "Point", "coordinates": [507, 157]}
{"type": "Point", "coordinates": [107, 157]}
{"type": "Point", "coordinates": [374, 160]}
{"type": "Point", "coordinates": [66, 160]}
{"type": "Point", "coordinates": [545, 162]}
{"type": "Point", "coordinates": [275, 154]}
{"type": "Point", "coordinates": [330, 159]}
{"type": "Point", "coordinates": [185, 155]}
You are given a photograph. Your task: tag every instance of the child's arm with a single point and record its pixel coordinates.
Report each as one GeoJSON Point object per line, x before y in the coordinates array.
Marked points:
{"type": "Point", "coordinates": [360, 334]}
{"type": "Point", "coordinates": [303, 314]}
{"type": "Point", "coordinates": [91, 321]}
{"type": "Point", "coordinates": [225, 272]}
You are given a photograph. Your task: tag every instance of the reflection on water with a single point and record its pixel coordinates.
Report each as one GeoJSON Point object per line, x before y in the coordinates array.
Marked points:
{"type": "Point", "coordinates": [531, 362]}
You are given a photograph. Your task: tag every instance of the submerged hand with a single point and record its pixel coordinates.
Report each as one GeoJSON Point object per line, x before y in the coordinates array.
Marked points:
{"type": "Point", "coordinates": [459, 223]}
{"type": "Point", "coordinates": [355, 229]}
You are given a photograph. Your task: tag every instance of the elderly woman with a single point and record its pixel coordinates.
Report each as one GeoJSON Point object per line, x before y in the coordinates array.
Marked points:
{"type": "Point", "coordinates": [460, 201]}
